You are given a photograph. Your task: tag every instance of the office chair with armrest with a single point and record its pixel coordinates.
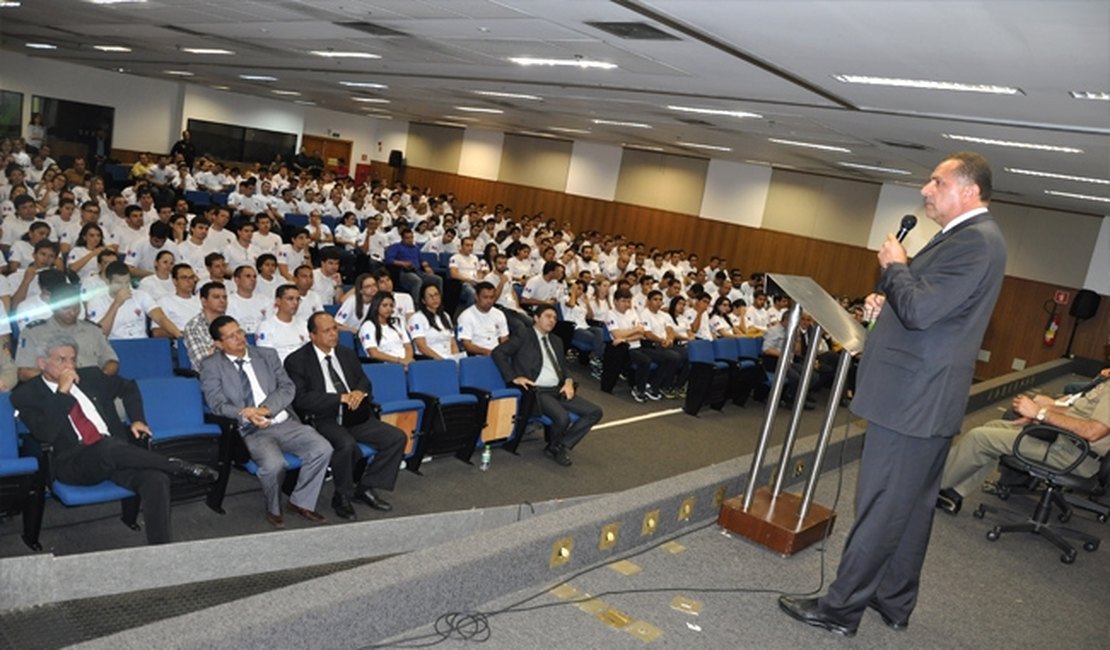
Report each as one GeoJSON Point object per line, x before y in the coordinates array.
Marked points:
{"type": "Point", "coordinates": [1056, 478]}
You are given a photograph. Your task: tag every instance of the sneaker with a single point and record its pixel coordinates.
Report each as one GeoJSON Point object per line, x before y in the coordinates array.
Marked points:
{"type": "Point", "coordinates": [653, 394]}
{"type": "Point", "coordinates": [596, 373]}
{"type": "Point", "coordinates": [949, 501]}
{"type": "Point", "coordinates": [638, 396]}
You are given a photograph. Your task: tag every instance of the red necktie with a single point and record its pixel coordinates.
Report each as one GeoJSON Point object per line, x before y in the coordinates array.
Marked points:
{"type": "Point", "coordinates": [85, 427]}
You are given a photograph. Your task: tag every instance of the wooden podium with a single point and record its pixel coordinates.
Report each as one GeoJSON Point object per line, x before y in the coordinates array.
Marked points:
{"type": "Point", "coordinates": [774, 522]}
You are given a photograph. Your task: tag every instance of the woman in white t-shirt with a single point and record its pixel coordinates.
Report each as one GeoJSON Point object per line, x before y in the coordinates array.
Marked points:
{"type": "Point", "coordinates": [82, 257]}
{"type": "Point", "coordinates": [347, 233]}
{"type": "Point", "coordinates": [382, 336]}
{"type": "Point", "coordinates": [601, 300]}
{"type": "Point", "coordinates": [721, 320]}
{"type": "Point", "coordinates": [160, 283]}
{"type": "Point", "coordinates": [356, 305]}
{"type": "Point", "coordinates": [431, 329]}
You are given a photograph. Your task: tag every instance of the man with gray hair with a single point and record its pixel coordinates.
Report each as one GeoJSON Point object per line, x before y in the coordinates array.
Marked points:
{"type": "Point", "coordinates": [73, 410]}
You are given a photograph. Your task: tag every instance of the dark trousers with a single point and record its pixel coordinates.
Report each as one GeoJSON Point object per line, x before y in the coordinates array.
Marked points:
{"type": "Point", "coordinates": [667, 362]}
{"type": "Point", "coordinates": [899, 477]}
{"type": "Point", "coordinates": [142, 471]}
{"type": "Point", "coordinates": [387, 440]}
{"type": "Point", "coordinates": [563, 432]}
{"type": "Point", "coordinates": [616, 358]}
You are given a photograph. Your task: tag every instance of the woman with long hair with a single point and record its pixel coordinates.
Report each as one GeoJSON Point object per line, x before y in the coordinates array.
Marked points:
{"type": "Point", "coordinates": [90, 241]}
{"type": "Point", "coordinates": [721, 320]}
{"type": "Point", "coordinates": [383, 338]}
{"type": "Point", "coordinates": [356, 304]}
{"type": "Point", "coordinates": [431, 328]}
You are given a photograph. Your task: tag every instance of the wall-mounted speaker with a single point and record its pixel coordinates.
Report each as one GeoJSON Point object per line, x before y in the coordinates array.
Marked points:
{"type": "Point", "coordinates": [1085, 305]}
{"type": "Point", "coordinates": [396, 158]}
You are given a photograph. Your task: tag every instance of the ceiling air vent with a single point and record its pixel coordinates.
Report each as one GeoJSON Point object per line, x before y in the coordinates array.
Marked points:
{"type": "Point", "coordinates": [634, 31]}
{"type": "Point", "coordinates": [693, 121]}
{"type": "Point", "coordinates": [905, 145]}
{"type": "Point", "coordinates": [371, 28]}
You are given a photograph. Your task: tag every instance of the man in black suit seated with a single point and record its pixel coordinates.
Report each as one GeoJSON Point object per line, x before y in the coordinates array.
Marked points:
{"type": "Point", "coordinates": [74, 411]}
{"type": "Point", "coordinates": [337, 396]}
{"type": "Point", "coordinates": [535, 361]}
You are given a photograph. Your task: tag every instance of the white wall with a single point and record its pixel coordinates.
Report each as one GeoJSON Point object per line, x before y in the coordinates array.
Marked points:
{"type": "Point", "coordinates": [594, 169]}
{"type": "Point", "coordinates": [392, 134]}
{"type": "Point", "coordinates": [1098, 274]}
{"type": "Point", "coordinates": [894, 202]}
{"type": "Point", "coordinates": [481, 153]}
{"type": "Point", "coordinates": [203, 103]}
{"type": "Point", "coordinates": [144, 113]}
{"type": "Point", "coordinates": [735, 193]}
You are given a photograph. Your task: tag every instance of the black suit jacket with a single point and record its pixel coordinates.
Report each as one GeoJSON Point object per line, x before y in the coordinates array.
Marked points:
{"type": "Point", "coordinates": [312, 399]}
{"type": "Point", "coordinates": [46, 413]}
{"type": "Point", "coordinates": [522, 356]}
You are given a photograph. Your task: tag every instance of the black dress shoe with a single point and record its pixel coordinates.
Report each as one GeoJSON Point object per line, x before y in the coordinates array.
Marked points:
{"type": "Point", "coordinates": [890, 622]}
{"type": "Point", "coordinates": [194, 472]}
{"type": "Point", "coordinates": [342, 506]}
{"type": "Point", "coordinates": [807, 611]}
{"type": "Point", "coordinates": [368, 497]}
{"type": "Point", "coordinates": [558, 453]}
{"type": "Point", "coordinates": [950, 501]}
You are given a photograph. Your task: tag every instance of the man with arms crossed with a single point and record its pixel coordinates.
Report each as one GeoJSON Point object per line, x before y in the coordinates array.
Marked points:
{"type": "Point", "coordinates": [912, 387]}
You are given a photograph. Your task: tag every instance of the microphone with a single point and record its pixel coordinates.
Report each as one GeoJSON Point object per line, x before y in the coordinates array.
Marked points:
{"type": "Point", "coordinates": [908, 223]}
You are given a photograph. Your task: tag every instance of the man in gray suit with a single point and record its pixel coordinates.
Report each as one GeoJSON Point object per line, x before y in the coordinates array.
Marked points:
{"type": "Point", "coordinates": [912, 387]}
{"type": "Point", "coordinates": [249, 384]}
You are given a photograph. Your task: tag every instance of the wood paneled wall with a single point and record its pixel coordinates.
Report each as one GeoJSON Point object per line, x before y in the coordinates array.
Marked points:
{"type": "Point", "coordinates": [1015, 331]}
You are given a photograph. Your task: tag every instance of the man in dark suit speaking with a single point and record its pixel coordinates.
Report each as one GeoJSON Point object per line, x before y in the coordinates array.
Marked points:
{"type": "Point", "coordinates": [534, 360]}
{"type": "Point", "coordinates": [912, 387]}
{"type": "Point", "coordinates": [75, 411]}
{"type": "Point", "coordinates": [335, 393]}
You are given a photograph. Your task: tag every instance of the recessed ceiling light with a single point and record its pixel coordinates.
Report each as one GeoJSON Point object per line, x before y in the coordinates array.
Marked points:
{"type": "Point", "coordinates": [635, 125]}
{"type": "Point", "coordinates": [697, 145]}
{"type": "Point", "coordinates": [304, 102]}
{"type": "Point", "coordinates": [1088, 94]}
{"type": "Point", "coordinates": [452, 124]}
{"type": "Point", "coordinates": [1063, 177]}
{"type": "Point", "coordinates": [380, 117]}
{"type": "Point", "coordinates": [810, 145]}
{"type": "Point", "coordinates": [363, 84]}
{"type": "Point", "coordinates": [462, 118]}
{"type": "Point", "coordinates": [1013, 144]}
{"type": "Point", "coordinates": [370, 100]}
{"type": "Point", "coordinates": [875, 168]}
{"type": "Point", "coordinates": [373, 109]}
{"type": "Point", "coordinates": [257, 77]}
{"type": "Point", "coordinates": [117, 2]}
{"type": "Point", "coordinates": [537, 134]}
{"type": "Point", "coordinates": [567, 129]}
{"type": "Point", "coordinates": [220, 87]}
{"type": "Point", "coordinates": [10, 5]}
{"type": "Point", "coordinates": [1085, 197]}
{"type": "Point", "coordinates": [713, 111]}
{"type": "Point", "coordinates": [479, 109]}
{"type": "Point", "coordinates": [926, 84]}
{"type": "Point", "coordinates": [334, 54]}
{"type": "Point", "coordinates": [571, 63]}
{"type": "Point", "coordinates": [290, 93]}
{"type": "Point", "coordinates": [41, 46]}
{"type": "Point", "coordinates": [206, 50]}
{"type": "Point", "coordinates": [644, 147]}
{"type": "Point", "coordinates": [494, 93]}
{"type": "Point", "coordinates": [111, 48]}
{"type": "Point", "coordinates": [180, 73]}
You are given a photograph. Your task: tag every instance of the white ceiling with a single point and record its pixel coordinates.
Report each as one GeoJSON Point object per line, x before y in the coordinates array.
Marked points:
{"type": "Point", "coordinates": [775, 58]}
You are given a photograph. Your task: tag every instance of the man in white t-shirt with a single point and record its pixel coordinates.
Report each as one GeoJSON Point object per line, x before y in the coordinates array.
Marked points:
{"type": "Point", "coordinates": [244, 304]}
{"type": "Point", "coordinates": [310, 300]}
{"type": "Point", "coordinates": [468, 269]}
{"type": "Point", "coordinates": [121, 312]}
{"type": "Point", "coordinates": [141, 254]}
{"type": "Point", "coordinates": [481, 327]}
{"type": "Point", "coordinates": [327, 283]}
{"type": "Point", "coordinates": [283, 331]}
{"type": "Point", "coordinates": [180, 306]}
{"type": "Point", "coordinates": [294, 254]}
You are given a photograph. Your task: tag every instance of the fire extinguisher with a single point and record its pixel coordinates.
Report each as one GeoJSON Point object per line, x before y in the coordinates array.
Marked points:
{"type": "Point", "coordinates": [1052, 325]}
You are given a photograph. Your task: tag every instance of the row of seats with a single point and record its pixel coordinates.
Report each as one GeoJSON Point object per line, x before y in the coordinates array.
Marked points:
{"type": "Point", "coordinates": [202, 199]}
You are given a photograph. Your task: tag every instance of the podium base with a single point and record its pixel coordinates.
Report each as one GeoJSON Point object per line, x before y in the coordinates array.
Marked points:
{"type": "Point", "coordinates": [773, 523]}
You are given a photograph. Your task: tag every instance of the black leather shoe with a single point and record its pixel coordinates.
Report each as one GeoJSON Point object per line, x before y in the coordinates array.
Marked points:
{"type": "Point", "coordinates": [890, 622]}
{"type": "Point", "coordinates": [558, 453]}
{"type": "Point", "coordinates": [807, 611]}
{"type": "Point", "coordinates": [194, 472]}
{"type": "Point", "coordinates": [368, 497]}
{"type": "Point", "coordinates": [342, 506]}
{"type": "Point", "coordinates": [950, 501]}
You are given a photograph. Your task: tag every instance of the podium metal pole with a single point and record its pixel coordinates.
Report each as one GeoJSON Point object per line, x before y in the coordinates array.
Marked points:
{"type": "Point", "coordinates": [772, 404]}
{"type": "Point", "coordinates": [799, 405]}
{"type": "Point", "coordinates": [839, 382]}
